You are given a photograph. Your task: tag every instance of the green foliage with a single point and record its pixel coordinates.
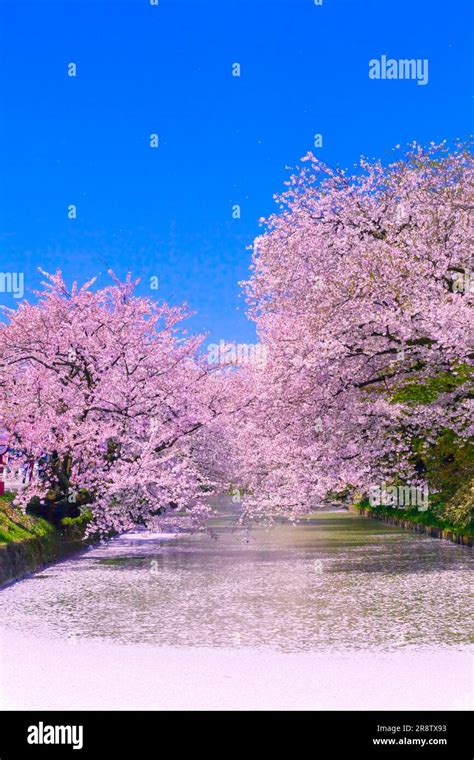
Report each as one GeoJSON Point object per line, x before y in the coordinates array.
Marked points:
{"type": "Point", "coordinates": [82, 520]}
{"type": "Point", "coordinates": [433, 518]}
{"type": "Point", "coordinates": [16, 526]}
{"type": "Point", "coordinates": [460, 508]}
{"type": "Point", "coordinates": [428, 391]}
{"type": "Point", "coordinates": [74, 528]}
{"type": "Point", "coordinates": [447, 465]}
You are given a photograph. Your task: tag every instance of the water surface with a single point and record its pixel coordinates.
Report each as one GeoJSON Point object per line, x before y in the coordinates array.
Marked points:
{"type": "Point", "coordinates": [335, 581]}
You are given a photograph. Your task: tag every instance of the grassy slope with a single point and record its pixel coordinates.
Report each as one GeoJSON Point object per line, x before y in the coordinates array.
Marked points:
{"type": "Point", "coordinates": [29, 543]}
{"type": "Point", "coordinates": [15, 526]}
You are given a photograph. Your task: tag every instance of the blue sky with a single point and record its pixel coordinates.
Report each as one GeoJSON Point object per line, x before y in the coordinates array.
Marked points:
{"type": "Point", "coordinates": [223, 140]}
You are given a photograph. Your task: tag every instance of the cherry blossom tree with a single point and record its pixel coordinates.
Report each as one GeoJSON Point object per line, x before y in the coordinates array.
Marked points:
{"type": "Point", "coordinates": [360, 288]}
{"type": "Point", "coordinates": [108, 393]}
{"type": "Point", "coordinates": [361, 293]}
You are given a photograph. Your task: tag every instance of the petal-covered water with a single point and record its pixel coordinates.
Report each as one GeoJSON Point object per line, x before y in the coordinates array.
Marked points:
{"type": "Point", "coordinates": [335, 581]}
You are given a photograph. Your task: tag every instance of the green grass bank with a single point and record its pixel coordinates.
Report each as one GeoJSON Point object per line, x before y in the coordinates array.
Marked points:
{"type": "Point", "coordinates": [28, 544]}
{"type": "Point", "coordinates": [420, 522]}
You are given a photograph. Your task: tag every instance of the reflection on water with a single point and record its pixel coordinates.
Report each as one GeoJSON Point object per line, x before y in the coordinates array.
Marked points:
{"type": "Point", "coordinates": [334, 581]}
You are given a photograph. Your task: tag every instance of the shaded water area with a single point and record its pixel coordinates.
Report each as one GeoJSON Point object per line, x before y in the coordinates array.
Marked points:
{"type": "Point", "coordinates": [334, 581]}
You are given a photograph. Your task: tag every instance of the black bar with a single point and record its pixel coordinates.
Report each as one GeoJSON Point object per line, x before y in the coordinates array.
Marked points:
{"type": "Point", "coordinates": [170, 734]}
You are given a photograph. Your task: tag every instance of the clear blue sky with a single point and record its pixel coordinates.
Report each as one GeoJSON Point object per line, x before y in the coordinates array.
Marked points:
{"type": "Point", "coordinates": [223, 140]}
